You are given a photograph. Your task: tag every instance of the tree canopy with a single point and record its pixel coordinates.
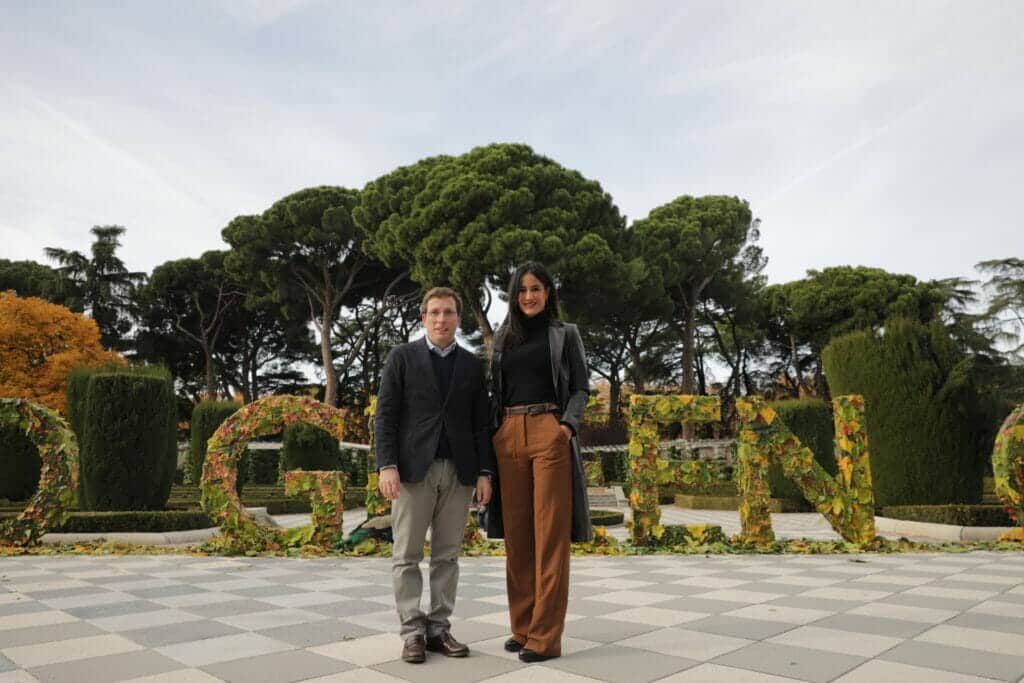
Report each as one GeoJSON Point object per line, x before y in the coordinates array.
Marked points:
{"type": "Point", "coordinates": [467, 221]}
{"type": "Point", "coordinates": [40, 343]}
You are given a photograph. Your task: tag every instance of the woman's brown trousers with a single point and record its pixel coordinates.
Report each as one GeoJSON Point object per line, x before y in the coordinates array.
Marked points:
{"type": "Point", "coordinates": [534, 467]}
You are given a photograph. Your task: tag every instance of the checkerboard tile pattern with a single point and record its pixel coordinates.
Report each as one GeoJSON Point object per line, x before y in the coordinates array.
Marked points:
{"type": "Point", "coordinates": [910, 618]}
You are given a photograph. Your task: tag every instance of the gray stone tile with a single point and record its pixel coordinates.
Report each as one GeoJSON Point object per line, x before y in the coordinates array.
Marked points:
{"type": "Point", "coordinates": [320, 633]}
{"type": "Point", "coordinates": [227, 609]}
{"type": "Point", "coordinates": [6, 664]}
{"type": "Point", "coordinates": [474, 608]}
{"type": "Point", "coordinates": [801, 602]}
{"type": "Point", "coordinates": [911, 600]}
{"type": "Point", "coordinates": [958, 659]}
{"type": "Point", "coordinates": [166, 591]}
{"type": "Point", "coordinates": [281, 667]}
{"type": "Point", "coordinates": [67, 592]}
{"type": "Point", "coordinates": [374, 590]}
{"type": "Point", "coordinates": [45, 634]}
{"type": "Point", "coordinates": [268, 591]}
{"type": "Point", "coordinates": [619, 664]}
{"type": "Point", "coordinates": [695, 604]}
{"type": "Point", "coordinates": [605, 630]}
{"type": "Point", "coordinates": [170, 634]}
{"type": "Point", "coordinates": [989, 622]}
{"type": "Point", "coordinates": [794, 662]}
{"type": "Point", "coordinates": [107, 669]}
{"type": "Point", "coordinates": [115, 609]}
{"type": "Point", "coordinates": [858, 623]}
{"type": "Point", "coordinates": [1010, 597]}
{"type": "Point", "coordinates": [440, 669]}
{"type": "Point", "coordinates": [770, 587]}
{"type": "Point", "coordinates": [585, 608]}
{"type": "Point", "coordinates": [223, 649]}
{"type": "Point", "coordinates": [352, 608]}
{"type": "Point", "coordinates": [738, 627]}
{"type": "Point", "coordinates": [25, 606]}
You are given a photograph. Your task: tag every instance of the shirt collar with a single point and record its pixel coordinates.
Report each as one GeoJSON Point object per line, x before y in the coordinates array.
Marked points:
{"type": "Point", "coordinates": [438, 350]}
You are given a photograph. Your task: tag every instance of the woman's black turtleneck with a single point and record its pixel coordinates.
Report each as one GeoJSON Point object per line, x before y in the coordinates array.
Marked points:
{"type": "Point", "coordinates": [526, 368]}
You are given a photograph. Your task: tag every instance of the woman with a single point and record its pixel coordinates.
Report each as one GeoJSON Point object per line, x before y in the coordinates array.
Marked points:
{"type": "Point", "coordinates": [540, 389]}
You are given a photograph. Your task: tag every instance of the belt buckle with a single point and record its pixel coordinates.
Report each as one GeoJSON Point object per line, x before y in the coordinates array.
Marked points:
{"type": "Point", "coordinates": [536, 409]}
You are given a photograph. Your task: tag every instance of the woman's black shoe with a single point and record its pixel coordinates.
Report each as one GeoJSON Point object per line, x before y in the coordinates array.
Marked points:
{"type": "Point", "coordinates": [513, 645]}
{"type": "Point", "coordinates": [530, 657]}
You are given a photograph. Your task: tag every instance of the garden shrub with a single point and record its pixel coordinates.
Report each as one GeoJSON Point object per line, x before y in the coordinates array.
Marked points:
{"type": "Point", "coordinates": [129, 440]}
{"type": "Point", "coordinates": [154, 521]}
{"type": "Point", "coordinates": [606, 517]}
{"type": "Point", "coordinates": [206, 417]}
{"type": "Point", "coordinates": [917, 388]}
{"type": "Point", "coordinates": [306, 447]}
{"type": "Point", "coordinates": [810, 419]}
{"type": "Point", "coordinates": [958, 515]}
{"type": "Point", "coordinates": [19, 465]}
{"type": "Point", "coordinates": [263, 466]}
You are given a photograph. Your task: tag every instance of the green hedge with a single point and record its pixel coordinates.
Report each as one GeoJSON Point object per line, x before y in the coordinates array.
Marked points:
{"type": "Point", "coordinates": [305, 447]}
{"type": "Point", "coordinates": [19, 465]}
{"type": "Point", "coordinates": [129, 440]}
{"type": "Point", "coordinates": [810, 419]}
{"type": "Point", "coordinates": [262, 466]}
{"type": "Point", "coordinates": [206, 417]}
{"type": "Point", "coordinates": [918, 394]}
{"type": "Point", "coordinates": [154, 521]}
{"type": "Point", "coordinates": [958, 515]}
{"type": "Point", "coordinates": [606, 517]}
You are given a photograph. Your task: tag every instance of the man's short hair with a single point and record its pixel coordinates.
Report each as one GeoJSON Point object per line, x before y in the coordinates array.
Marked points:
{"type": "Point", "coordinates": [441, 293]}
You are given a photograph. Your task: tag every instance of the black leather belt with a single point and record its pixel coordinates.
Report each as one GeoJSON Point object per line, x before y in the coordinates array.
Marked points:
{"type": "Point", "coordinates": [532, 409]}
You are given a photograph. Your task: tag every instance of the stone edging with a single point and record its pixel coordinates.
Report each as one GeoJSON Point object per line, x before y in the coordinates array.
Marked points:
{"type": "Point", "coordinates": [886, 526]}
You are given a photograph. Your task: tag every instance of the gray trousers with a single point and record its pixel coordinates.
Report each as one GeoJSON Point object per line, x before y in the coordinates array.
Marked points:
{"type": "Point", "coordinates": [441, 503]}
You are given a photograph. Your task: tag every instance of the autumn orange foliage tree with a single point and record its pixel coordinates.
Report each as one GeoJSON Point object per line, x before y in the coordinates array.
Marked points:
{"type": "Point", "coordinates": [40, 343]}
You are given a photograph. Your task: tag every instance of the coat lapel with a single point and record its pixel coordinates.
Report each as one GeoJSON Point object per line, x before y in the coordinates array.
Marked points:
{"type": "Point", "coordinates": [457, 370]}
{"type": "Point", "coordinates": [556, 339]}
{"type": "Point", "coordinates": [426, 367]}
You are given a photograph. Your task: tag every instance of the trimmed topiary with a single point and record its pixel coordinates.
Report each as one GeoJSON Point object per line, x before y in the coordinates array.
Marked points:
{"type": "Point", "coordinates": [129, 440]}
{"type": "Point", "coordinates": [305, 447]}
{"type": "Point", "coordinates": [810, 420]}
{"type": "Point", "coordinates": [917, 388]}
{"type": "Point", "coordinates": [206, 417]}
{"type": "Point", "coordinates": [19, 464]}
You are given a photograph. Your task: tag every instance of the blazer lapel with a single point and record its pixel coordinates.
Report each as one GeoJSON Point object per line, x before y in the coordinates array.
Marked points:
{"type": "Point", "coordinates": [422, 354]}
{"type": "Point", "coordinates": [556, 339]}
{"type": "Point", "coordinates": [457, 370]}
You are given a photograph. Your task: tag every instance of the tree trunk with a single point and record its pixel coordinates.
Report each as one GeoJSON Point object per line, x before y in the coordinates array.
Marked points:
{"type": "Point", "coordinates": [689, 341]}
{"type": "Point", "coordinates": [211, 379]}
{"type": "Point", "coordinates": [480, 315]}
{"type": "Point", "coordinates": [614, 398]}
{"type": "Point", "coordinates": [330, 374]}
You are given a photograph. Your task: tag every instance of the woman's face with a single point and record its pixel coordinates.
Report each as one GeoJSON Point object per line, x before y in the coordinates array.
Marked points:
{"type": "Point", "coordinates": [533, 296]}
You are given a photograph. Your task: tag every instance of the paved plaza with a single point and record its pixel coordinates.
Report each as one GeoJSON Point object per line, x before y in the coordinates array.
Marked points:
{"type": "Point", "coordinates": [934, 618]}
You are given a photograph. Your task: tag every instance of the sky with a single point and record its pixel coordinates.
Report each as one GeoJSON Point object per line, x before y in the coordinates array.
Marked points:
{"type": "Point", "coordinates": [886, 134]}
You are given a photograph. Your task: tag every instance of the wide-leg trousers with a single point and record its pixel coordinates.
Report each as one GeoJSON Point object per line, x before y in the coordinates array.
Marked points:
{"type": "Point", "coordinates": [535, 472]}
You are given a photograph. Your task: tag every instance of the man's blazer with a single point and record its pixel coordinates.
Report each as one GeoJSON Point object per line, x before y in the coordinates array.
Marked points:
{"type": "Point", "coordinates": [411, 412]}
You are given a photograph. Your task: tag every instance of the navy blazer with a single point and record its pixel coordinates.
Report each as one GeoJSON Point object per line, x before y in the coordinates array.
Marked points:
{"type": "Point", "coordinates": [411, 412]}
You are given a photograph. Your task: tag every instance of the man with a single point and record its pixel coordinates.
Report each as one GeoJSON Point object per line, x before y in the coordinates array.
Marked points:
{"type": "Point", "coordinates": [433, 446]}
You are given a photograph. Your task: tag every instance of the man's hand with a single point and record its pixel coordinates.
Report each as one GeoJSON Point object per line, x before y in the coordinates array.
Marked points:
{"type": "Point", "coordinates": [390, 484]}
{"type": "Point", "coordinates": [567, 430]}
{"type": "Point", "coordinates": [483, 489]}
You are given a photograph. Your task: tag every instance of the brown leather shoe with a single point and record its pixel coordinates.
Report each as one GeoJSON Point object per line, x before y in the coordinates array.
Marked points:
{"type": "Point", "coordinates": [447, 645]}
{"type": "Point", "coordinates": [414, 650]}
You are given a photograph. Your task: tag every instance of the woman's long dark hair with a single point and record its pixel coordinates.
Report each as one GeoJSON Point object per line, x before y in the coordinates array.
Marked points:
{"type": "Point", "coordinates": [515, 321]}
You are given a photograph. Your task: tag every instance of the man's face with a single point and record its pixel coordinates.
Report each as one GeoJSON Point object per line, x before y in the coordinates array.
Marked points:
{"type": "Point", "coordinates": [441, 320]}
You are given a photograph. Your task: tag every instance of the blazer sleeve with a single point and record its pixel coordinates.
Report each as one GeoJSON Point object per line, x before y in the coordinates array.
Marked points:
{"type": "Point", "coordinates": [579, 378]}
{"type": "Point", "coordinates": [389, 410]}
